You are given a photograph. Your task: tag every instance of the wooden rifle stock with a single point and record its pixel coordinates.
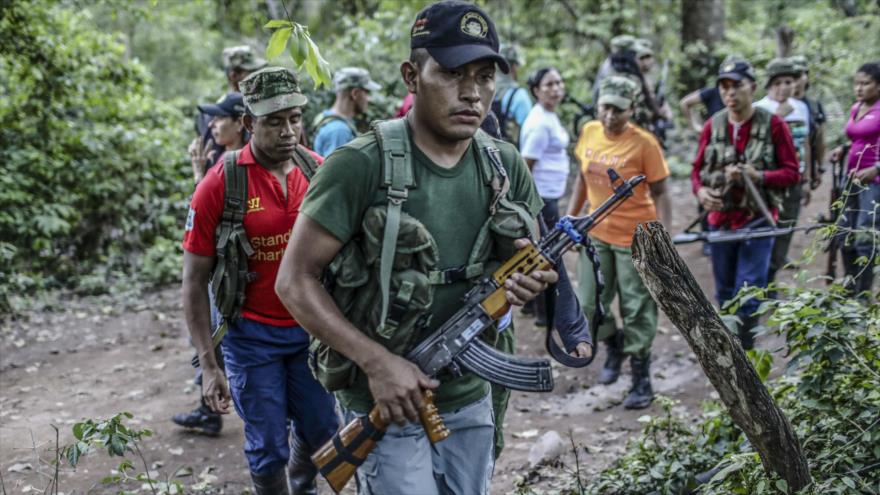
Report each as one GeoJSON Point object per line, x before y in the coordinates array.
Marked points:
{"type": "Point", "coordinates": [339, 458]}
{"type": "Point", "coordinates": [359, 438]}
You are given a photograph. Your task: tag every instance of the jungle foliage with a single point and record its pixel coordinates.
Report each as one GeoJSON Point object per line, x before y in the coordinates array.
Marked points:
{"type": "Point", "coordinates": [93, 179]}
{"type": "Point", "coordinates": [830, 391]}
{"type": "Point", "coordinates": [97, 99]}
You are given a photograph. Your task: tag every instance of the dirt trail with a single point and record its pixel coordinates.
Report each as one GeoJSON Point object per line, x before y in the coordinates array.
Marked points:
{"type": "Point", "coordinates": [92, 358]}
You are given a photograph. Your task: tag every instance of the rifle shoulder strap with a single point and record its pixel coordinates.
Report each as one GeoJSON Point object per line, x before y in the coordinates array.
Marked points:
{"type": "Point", "coordinates": [397, 180]}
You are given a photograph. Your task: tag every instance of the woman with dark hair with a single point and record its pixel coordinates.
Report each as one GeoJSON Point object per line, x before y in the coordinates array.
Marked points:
{"type": "Point", "coordinates": [862, 189]}
{"type": "Point", "coordinates": [227, 131]}
{"type": "Point", "coordinates": [543, 143]}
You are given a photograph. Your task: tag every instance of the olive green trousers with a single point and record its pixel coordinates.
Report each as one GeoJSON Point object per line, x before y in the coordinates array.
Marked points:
{"type": "Point", "coordinates": [637, 308]}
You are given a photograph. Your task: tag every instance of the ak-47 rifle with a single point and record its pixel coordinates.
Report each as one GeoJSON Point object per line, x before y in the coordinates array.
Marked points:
{"type": "Point", "coordinates": [761, 227]}
{"type": "Point", "coordinates": [839, 179]}
{"type": "Point", "coordinates": [455, 344]}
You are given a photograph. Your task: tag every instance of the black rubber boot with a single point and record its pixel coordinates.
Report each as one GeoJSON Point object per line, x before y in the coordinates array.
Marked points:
{"type": "Point", "coordinates": [270, 484]}
{"type": "Point", "coordinates": [301, 471]}
{"type": "Point", "coordinates": [614, 360]}
{"type": "Point", "coordinates": [641, 394]}
{"type": "Point", "coordinates": [202, 419]}
{"type": "Point", "coordinates": [540, 311]}
{"type": "Point", "coordinates": [746, 336]}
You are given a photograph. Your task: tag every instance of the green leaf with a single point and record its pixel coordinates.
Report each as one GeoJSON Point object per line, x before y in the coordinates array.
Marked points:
{"type": "Point", "coordinates": [302, 48]}
{"type": "Point", "coordinates": [782, 486]}
{"type": "Point", "coordinates": [277, 23]}
{"type": "Point", "coordinates": [278, 42]}
{"type": "Point", "coordinates": [78, 431]}
{"type": "Point", "coordinates": [73, 455]}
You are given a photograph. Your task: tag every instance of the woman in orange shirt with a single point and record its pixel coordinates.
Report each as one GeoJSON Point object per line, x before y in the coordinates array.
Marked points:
{"type": "Point", "coordinates": [614, 142]}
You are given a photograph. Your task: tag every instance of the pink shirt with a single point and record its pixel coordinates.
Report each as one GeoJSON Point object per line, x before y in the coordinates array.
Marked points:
{"type": "Point", "coordinates": [865, 136]}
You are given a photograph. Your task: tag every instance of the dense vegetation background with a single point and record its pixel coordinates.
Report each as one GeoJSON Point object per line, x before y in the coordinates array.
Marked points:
{"type": "Point", "coordinates": [97, 100]}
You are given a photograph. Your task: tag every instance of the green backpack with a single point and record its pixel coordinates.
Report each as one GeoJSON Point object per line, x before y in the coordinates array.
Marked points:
{"type": "Point", "coordinates": [230, 275]}
{"type": "Point", "coordinates": [383, 280]}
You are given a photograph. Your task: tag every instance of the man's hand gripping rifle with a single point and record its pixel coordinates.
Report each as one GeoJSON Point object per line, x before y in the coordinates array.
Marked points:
{"type": "Point", "coordinates": [455, 345]}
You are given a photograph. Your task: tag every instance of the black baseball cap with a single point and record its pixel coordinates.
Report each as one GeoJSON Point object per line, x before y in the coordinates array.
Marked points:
{"type": "Point", "coordinates": [456, 33]}
{"type": "Point", "coordinates": [736, 70]}
{"type": "Point", "coordinates": [231, 105]}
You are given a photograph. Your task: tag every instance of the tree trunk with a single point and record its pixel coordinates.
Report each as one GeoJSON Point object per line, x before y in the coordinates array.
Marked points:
{"type": "Point", "coordinates": [722, 358]}
{"type": "Point", "coordinates": [784, 40]}
{"type": "Point", "coordinates": [702, 20]}
{"type": "Point", "coordinates": [702, 25]}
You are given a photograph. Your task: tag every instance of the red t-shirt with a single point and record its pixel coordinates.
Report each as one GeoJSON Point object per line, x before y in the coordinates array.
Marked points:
{"type": "Point", "coordinates": [785, 176]}
{"type": "Point", "coordinates": [267, 222]}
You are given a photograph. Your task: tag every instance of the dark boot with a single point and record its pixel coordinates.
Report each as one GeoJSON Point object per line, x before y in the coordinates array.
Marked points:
{"type": "Point", "coordinates": [270, 484]}
{"type": "Point", "coordinates": [528, 309]}
{"type": "Point", "coordinates": [301, 471]}
{"type": "Point", "coordinates": [540, 311]}
{"type": "Point", "coordinates": [201, 418]}
{"type": "Point", "coordinates": [746, 335]}
{"type": "Point", "coordinates": [641, 394]}
{"type": "Point", "coordinates": [614, 360]}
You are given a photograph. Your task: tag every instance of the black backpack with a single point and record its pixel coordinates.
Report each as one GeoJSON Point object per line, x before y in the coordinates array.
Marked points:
{"type": "Point", "coordinates": [507, 126]}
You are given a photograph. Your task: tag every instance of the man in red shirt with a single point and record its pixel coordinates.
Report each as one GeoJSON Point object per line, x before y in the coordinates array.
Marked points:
{"type": "Point", "coordinates": [265, 350]}
{"type": "Point", "coordinates": [742, 140]}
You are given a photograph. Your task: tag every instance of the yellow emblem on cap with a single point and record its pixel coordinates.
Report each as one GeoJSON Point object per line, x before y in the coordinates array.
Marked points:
{"type": "Point", "coordinates": [473, 24]}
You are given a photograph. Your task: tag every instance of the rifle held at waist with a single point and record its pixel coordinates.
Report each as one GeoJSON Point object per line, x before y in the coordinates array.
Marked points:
{"type": "Point", "coordinates": [454, 345]}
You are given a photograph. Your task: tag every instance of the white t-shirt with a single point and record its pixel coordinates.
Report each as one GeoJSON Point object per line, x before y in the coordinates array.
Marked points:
{"type": "Point", "coordinates": [798, 121]}
{"type": "Point", "coordinates": [544, 139]}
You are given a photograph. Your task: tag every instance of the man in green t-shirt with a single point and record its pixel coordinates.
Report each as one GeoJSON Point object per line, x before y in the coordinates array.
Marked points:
{"type": "Point", "coordinates": [450, 71]}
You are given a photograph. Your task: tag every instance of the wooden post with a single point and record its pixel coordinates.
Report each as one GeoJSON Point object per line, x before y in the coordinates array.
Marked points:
{"type": "Point", "coordinates": [720, 355]}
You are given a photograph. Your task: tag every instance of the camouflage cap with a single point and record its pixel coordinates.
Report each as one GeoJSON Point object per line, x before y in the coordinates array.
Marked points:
{"type": "Point", "coordinates": [241, 58]}
{"type": "Point", "coordinates": [800, 63]}
{"type": "Point", "coordinates": [781, 67]}
{"type": "Point", "coordinates": [622, 42]}
{"type": "Point", "coordinates": [353, 77]}
{"type": "Point", "coordinates": [271, 90]}
{"type": "Point", "coordinates": [512, 53]}
{"type": "Point", "coordinates": [618, 91]}
{"type": "Point", "coordinates": [643, 48]}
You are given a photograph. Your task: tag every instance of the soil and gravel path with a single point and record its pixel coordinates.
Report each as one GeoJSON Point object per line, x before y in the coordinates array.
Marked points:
{"type": "Point", "coordinates": [93, 357]}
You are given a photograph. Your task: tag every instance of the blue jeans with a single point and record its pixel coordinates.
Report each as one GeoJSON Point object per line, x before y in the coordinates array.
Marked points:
{"type": "Point", "coordinates": [736, 264]}
{"type": "Point", "coordinates": [406, 463]}
{"type": "Point", "coordinates": [271, 384]}
{"type": "Point", "coordinates": [862, 206]}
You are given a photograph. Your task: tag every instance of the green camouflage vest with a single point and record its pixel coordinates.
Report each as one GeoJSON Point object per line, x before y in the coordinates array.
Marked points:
{"type": "Point", "coordinates": [230, 275]}
{"type": "Point", "coordinates": [383, 279]}
{"type": "Point", "coordinates": [759, 151]}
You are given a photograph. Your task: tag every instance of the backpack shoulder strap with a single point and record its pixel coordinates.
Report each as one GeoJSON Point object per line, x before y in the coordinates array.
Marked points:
{"type": "Point", "coordinates": [326, 119]}
{"type": "Point", "coordinates": [234, 200]}
{"type": "Point", "coordinates": [494, 173]}
{"type": "Point", "coordinates": [719, 127]}
{"type": "Point", "coordinates": [508, 99]}
{"type": "Point", "coordinates": [232, 241]}
{"type": "Point", "coordinates": [397, 179]}
{"type": "Point", "coordinates": [760, 124]}
{"type": "Point", "coordinates": [305, 162]}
